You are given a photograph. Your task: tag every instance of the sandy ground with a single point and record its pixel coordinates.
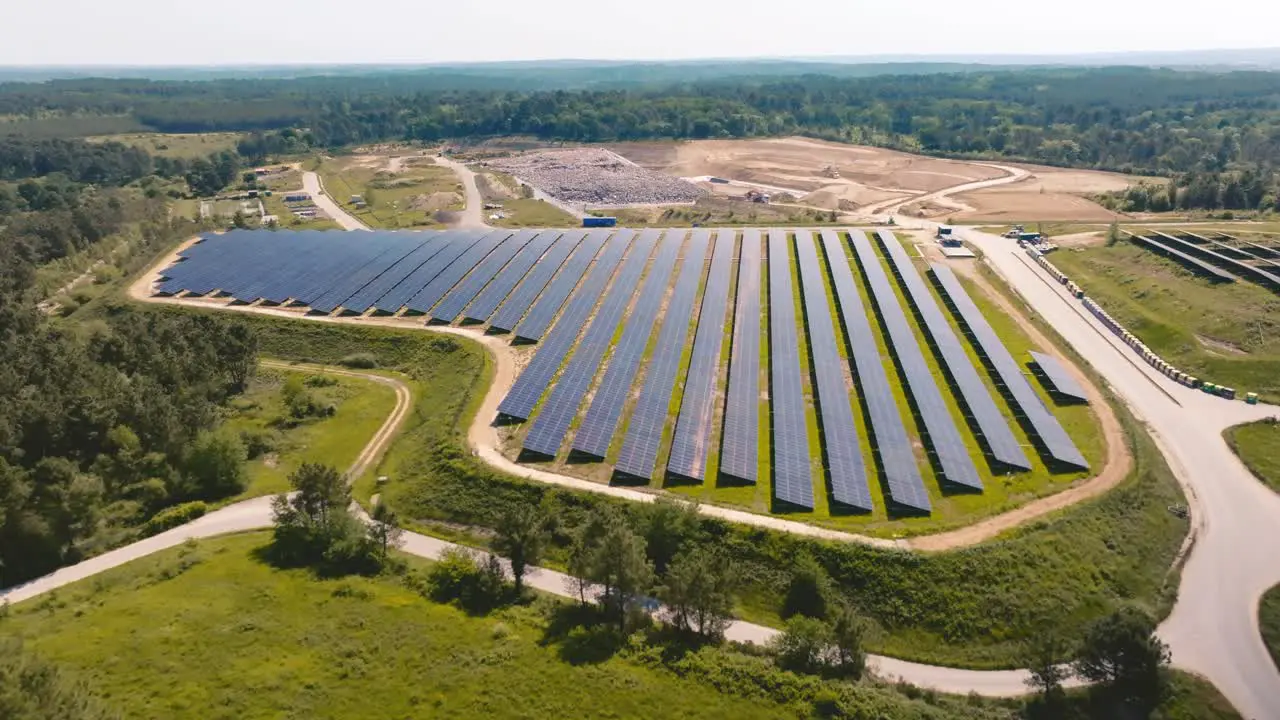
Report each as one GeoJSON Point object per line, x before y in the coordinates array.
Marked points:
{"type": "Point", "coordinates": [486, 441]}
{"type": "Point", "coordinates": [872, 176]}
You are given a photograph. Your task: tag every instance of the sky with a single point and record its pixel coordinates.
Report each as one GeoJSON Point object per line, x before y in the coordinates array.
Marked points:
{"type": "Point", "coordinates": [234, 32]}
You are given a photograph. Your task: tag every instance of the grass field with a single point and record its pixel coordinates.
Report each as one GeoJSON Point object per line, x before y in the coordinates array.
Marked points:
{"type": "Point", "coordinates": [262, 642]}
{"type": "Point", "coordinates": [712, 211]}
{"type": "Point", "coordinates": [288, 221]}
{"type": "Point", "coordinates": [1226, 334]}
{"type": "Point", "coordinates": [361, 406]}
{"type": "Point", "coordinates": [1258, 445]}
{"type": "Point", "coordinates": [1269, 619]}
{"type": "Point", "coordinates": [405, 199]}
{"type": "Point", "coordinates": [522, 212]}
{"type": "Point", "coordinates": [179, 145]}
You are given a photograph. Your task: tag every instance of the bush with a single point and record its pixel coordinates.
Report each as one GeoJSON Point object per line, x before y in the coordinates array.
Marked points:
{"type": "Point", "coordinates": [462, 577]}
{"type": "Point", "coordinates": [174, 517]}
{"type": "Point", "coordinates": [360, 361]}
{"type": "Point", "coordinates": [259, 441]}
{"type": "Point", "coordinates": [320, 381]}
{"type": "Point", "coordinates": [802, 646]}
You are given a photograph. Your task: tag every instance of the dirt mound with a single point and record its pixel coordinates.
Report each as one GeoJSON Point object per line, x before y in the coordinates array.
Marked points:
{"type": "Point", "coordinates": [493, 189]}
{"type": "Point", "coordinates": [434, 201]}
{"type": "Point", "coordinates": [596, 176]}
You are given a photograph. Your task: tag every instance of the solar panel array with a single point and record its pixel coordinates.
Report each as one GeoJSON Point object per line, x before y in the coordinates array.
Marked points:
{"type": "Point", "coordinates": [692, 439]}
{"type": "Point", "coordinates": [601, 420]}
{"type": "Point", "coordinates": [991, 427]}
{"type": "Point", "coordinates": [939, 427]}
{"type": "Point", "coordinates": [739, 449]}
{"type": "Point", "coordinates": [574, 288]}
{"type": "Point", "coordinates": [891, 442]}
{"type": "Point", "coordinates": [528, 388]}
{"type": "Point", "coordinates": [639, 452]}
{"type": "Point", "coordinates": [845, 468]}
{"type": "Point", "coordinates": [792, 478]}
{"type": "Point", "coordinates": [552, 423]}
{"type": "Point", "coordinates": [1046, 427]}
{"type": "Point", "coordinates": [1060, 381]}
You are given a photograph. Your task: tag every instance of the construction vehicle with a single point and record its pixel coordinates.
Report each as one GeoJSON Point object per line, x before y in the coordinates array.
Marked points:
{"type": "Point", "coordinates": [832, 172]}
{"type": "Point", "coordinates": [757, 196]}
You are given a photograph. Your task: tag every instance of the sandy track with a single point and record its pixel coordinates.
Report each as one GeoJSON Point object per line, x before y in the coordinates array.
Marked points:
{"type": "Point", "coordinates": [315, 188]}
{"type": "Point", "coordinates": [486, 445]}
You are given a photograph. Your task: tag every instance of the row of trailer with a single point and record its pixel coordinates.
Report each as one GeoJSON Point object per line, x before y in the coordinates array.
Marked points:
{"type": "Point", "coordinates": [1146, 353]}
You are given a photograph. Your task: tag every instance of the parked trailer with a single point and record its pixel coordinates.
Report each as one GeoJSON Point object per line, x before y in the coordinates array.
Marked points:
{"type": "Point", "coordinates": [599, 222]}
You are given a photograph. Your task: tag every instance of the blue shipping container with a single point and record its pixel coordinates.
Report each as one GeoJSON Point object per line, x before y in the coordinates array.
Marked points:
{"type": "Point", "coordinates": [593, 222]}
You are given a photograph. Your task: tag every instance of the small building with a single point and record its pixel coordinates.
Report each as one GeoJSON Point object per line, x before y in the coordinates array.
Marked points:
{"type": "Point", "coordinates": [297, 197]}
{"type": "Point", "coordinates": [261, 171]}
{"type": "Point", "coordinates": [356, 200]}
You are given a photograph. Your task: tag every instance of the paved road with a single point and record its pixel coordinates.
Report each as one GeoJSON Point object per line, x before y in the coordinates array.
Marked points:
{"type": "Point", "coordinates": [473, 213]}
{"type": "Point", "coordinates": [311, 183]}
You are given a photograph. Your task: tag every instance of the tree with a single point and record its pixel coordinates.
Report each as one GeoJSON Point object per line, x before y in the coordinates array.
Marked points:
{"type": "Point", "coordinates": [1122, 652]}
{"type": "Point", "coordinates": [802, 645]}
{"type": "Point", "coordinates": [384, 529]}
{"type": "Point", "coordinates": [699, 590]}
{"type": "Point", "coordinates": [667, 525]}
{"type": "Point", "coordinates": [808, 591]}
{"type": "Point", "coordinates": [1113, 233]}
{"type": "Point", "coordinates": [615, 560]}
{"type": "Point", "coordinates": [215, 466]}
{"type": "Point", "coordinates": [848, 632]}
{"type": "Point", "coordinates": [521, 538]}
{"type": "Point", "coordinates": [474, 581]}
{"type": "Point", "coordinates": [1041, 657]}
{"type": "Point", "coordinates": [316, 528]}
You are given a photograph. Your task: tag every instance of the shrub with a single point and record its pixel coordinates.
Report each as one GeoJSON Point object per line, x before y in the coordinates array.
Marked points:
{"type": "Point", "coordinates": [466, 579]}
{"type": "Point", "coordinates": [360, 361]}
{"type": "Point", "coordinates": [320, 381]}
{"type": "Point", "coordinates": [259, 441]}
{"type": "Point", "coordinates": [174, 517]}
{"type": "Point", "coordinates": [802, 646]}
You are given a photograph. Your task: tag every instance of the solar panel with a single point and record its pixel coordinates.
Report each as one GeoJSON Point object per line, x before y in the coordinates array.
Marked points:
{"type": "Point", "coordinates": [535, 280]}
{"type": "Point", "coordinates": [458, 269]}
{"type": "Point", "coordinates": [692, 438]}
{"type": "Point", "coordinates": [644, 432]}
{"type": "Point", "coordinates": [1200, 265]}
{"type": "Point", "coordinates": [472, 284]}
{"type": "Point", "coordinates": [452, 244]}
{"type": "Point", "coordinates": [940, 430]}
{"type": "Point", "coordinates": [989, 424]}
{"type": "Point", "coordinates": [544, 312]}
{"type": "Point", "coordinates": [363, 300]}
{"type": "Point", "coordinates": [792, 478]}
{"type": "Point", "coordinates": [528, 388]}
{"type": "Point", "coordinates": [890, 440]}
{"type": "Point", "coordinates": [1057, 380]}
{"type": "Point", "coordinates": [845, 468]}
{"type": "Point", "coordinates": [547, 432]}
{"type": "Point", "coordinates": [356, 281]}
{"type": "Point", "coordinates": [1008, 374]}
{"type": "Point", "coordinates": [740, 450]}
{"type": "Point", "coordinates": [513, 273]}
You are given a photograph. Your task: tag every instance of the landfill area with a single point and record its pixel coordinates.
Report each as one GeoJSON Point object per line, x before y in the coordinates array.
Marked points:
{"type": "Point", "coordinates": [594, 176]}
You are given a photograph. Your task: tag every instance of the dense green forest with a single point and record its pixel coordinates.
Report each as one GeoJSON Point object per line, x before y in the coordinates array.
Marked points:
{"type": "Point", "coordinates": [1159, 121]}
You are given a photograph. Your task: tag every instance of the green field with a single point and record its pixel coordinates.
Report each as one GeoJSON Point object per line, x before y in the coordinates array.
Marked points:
{"type": "Point", "coordinates": [361, 406]}
{"type": "Point", "coordinates": [522, 212]}
{"type": "Point", "coordinates": [181, 145]}
{"type": "Point", "coordinates": [1269, 619]}
{"type": "Point", "coordinates": [1258, 445]}
{"type": "Point", "coordinates": [1225, 334]}
{"type": "Point", "coordinates": [717, 211]}
{"type": "Point", "coordinates": [406, 199]}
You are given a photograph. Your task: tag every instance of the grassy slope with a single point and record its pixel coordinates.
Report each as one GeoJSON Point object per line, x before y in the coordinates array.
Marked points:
{"type": "Point", "coordinates": [361, 408]}
{"type": "Point", "coordinates": [523, 212]}
{"type": "Point", "coordinates": [1269, 619]}
{"type": "Point", "coordinates": [1258, 445]}
{"type": "Point", "coordinates": [1168, 308]}
{"type": "Point", "coordinates": [393, 194]}
{"type": "Point", "coordinates": [178, 145]}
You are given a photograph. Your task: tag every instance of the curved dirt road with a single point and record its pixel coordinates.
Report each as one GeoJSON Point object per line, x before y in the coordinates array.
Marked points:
{"type": "Point", "coordinates": [473, 212]}
{"type": "Point", "coordinates": [889, 207]}
{"type": "Point", "coordinates": [311, 183]}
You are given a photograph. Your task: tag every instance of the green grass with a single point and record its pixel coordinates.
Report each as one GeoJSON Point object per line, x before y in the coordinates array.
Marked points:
{"type": "Point", "coordinates": [1225, 334]}
{"type": "Point", "coordinates": [1258, 445]}
{"type": "Point", "coordinates": [361, 408]}
{"type": "Point", "coordinates": [1269, 620]}
{"type": "Point", "coordinates": [397, 198]}
{"type": "Point", "coordinates": [1048, 229]}
{"type": "Point", "coordinates": [286, 220]}
{"type": "Point", "coordinates": [177, 145]}
{"type": "Point", "coordinates": [523, 212]}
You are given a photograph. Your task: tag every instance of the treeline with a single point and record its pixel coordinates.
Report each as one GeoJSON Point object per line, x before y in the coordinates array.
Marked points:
{"type": "Point", "coordinates": [1247, 191]}
{"type": "Point", "coordinates": [1115, 118]}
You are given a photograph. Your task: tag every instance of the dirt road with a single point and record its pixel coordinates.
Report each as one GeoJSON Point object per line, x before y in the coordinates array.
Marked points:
{"type": "Point", "coordinates": [473, 213]}
{"type": "Point", "coordinates": [314, 187]}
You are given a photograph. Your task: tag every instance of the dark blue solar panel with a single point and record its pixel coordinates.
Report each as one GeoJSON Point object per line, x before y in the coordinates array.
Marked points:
{"type": "Point", "coordinates": [528, 388]}
{"type": "Point", "coordinates": [547, 432]}
{"type": "Point", "coordinates": [939, 427]}
{"type": "Point", "coordinates": [1054, 439]}
{"type": "Point", "coordinates": [792, 477]}
{"type": "Point", "coordinates": [1060, 381]}
{"type": "Point", "coordinates": [533, 283]}
{"type": "Point", "coordinates": [598, 426]}
{"type": "Point", "coordinates": [453, 244]}
{"type": "Point", "coordinates": [458, 269]}
{"type": "Point", "coordinates": [356, 281]}
{"type": "Point", "coordinates": [988, 423]}
{"type": "Point", "coordinates": [470, 287]}
{"type": "Point", "coordinates": [369, 294]}
{"type": "Point", "coordinates": [890, 441]}
{"type": "Point", "coordinates": [544, 312]}
{"type": "Point", "coordinates": [639, 451]}
{"type": "Point", "coordinates": [740, 451]}
{"type": "Point", "coordinates": [513, 273]}
{"type": "Point", "coordinates": [692, 439]}
{"type": "Point", "coordinates": [845, 467]}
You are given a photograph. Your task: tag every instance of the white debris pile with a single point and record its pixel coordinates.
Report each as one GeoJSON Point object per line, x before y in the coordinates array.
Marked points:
{"type": "Point", "coordinates": [593, 176]}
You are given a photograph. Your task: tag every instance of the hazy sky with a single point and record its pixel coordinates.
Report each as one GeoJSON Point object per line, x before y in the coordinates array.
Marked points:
{"type": "Point", "coordinates": [184, 32]}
